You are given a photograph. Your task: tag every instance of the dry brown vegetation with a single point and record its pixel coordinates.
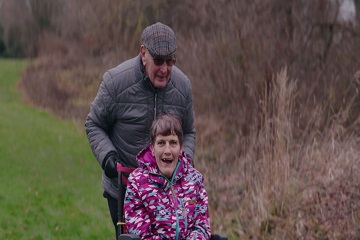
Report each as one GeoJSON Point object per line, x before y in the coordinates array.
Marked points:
{"type": "Point", "coordinates": [275, 87]}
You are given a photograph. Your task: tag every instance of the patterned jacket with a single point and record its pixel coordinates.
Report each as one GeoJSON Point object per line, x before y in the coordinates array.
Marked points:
{"type": "Point", "coordinates": [158, 208]}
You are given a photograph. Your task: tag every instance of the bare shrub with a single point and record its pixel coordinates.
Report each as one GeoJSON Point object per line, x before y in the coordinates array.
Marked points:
{"type": "Point", "coordinates": [282, 187]}
{"type": "Point", "coordinates": [16, 32]}
{"type": "Point", "coordinates": [59, 80]}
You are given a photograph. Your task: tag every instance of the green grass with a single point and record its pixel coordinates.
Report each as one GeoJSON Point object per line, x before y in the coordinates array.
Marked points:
{"type": "Point", "coordinates": [50, 182]}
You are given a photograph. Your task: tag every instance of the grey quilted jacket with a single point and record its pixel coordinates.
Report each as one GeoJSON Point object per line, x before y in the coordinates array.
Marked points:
{"type": "Point", "coordinates": [124, 108]}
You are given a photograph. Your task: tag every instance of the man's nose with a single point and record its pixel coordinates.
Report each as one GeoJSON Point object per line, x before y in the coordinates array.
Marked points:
{"type": "Point", "coordinates": [163, 67]}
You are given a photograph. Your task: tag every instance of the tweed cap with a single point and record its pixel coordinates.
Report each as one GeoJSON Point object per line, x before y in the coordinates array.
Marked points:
{"type": "Point", "coordinates": [159, 39]}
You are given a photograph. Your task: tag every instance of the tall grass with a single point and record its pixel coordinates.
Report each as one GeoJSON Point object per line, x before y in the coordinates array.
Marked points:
{"type": "Point", "coordinates": [49, 179]}
{"type": "Point", "coordinates": [282, 185]}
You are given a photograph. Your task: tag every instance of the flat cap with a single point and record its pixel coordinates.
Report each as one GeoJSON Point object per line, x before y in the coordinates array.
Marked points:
{"type": "Point", "coordinates": [159, 39]}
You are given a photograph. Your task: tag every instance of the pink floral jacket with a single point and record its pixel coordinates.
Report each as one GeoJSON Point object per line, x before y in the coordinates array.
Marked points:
{"type": "Point", "coordinates": [160, 208]}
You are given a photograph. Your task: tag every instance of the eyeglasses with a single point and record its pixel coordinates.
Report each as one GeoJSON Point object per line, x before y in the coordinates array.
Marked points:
{"type": "Point", "coordinates": [160, 61]}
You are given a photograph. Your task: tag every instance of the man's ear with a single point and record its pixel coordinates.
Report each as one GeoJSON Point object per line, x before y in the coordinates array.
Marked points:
{"type": "Point", "coordinates": [142, 53]}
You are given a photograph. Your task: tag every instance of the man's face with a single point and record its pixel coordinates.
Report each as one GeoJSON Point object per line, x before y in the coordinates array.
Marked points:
{"type": "Point", "coordinates": [166, 150]}
{"type": "Point", "coordinates": [158, 70]}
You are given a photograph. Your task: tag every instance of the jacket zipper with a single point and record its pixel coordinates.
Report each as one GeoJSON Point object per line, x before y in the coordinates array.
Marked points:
{"type": "Point", "coordinates": [175, 202]}
{"type": "Point", "coordinates": [155, 106]}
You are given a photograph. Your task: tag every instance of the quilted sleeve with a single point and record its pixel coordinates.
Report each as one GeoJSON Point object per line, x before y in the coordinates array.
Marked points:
{"type": "Point", "coordinates": [100, 120]}
{"type": "Point", "coordinates": [189, 129]}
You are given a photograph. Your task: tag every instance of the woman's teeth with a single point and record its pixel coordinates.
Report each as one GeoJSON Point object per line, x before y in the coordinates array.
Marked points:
{"type": "Point", "coordinates": [167, 160]}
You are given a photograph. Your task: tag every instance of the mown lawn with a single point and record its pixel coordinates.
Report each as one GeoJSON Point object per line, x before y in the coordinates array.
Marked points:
{"type": "Point", "coordinates": [49, 179]}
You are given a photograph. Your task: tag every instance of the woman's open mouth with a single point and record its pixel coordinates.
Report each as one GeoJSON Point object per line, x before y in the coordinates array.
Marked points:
{"type": "Point", "coordinates": [167, 160]}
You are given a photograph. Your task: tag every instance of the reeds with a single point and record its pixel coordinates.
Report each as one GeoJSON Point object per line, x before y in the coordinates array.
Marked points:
{"type": "Point", "coordinates": [284, 186]}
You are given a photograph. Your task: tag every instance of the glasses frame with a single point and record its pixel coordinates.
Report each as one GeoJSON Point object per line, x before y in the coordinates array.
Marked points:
{"type": "Point", "coordinates": [158, 61]}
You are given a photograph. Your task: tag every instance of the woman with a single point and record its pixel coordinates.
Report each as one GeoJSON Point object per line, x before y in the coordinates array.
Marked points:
{"type": "Point", "coordinates": [165, 197]}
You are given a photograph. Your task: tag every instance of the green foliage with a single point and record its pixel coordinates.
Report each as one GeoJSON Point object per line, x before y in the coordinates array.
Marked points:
{"type": "Point", "coordinates": [50, 181]}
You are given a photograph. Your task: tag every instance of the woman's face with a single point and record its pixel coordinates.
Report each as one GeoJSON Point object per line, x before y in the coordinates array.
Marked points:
{"type": "Point", "coordinates": [166, 150]}
{"type": "Point", "coordinates": [159, 75]}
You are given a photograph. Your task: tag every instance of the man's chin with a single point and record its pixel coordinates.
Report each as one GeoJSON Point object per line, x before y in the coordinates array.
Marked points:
{"type": "Point", "coordinates": [160, 84]}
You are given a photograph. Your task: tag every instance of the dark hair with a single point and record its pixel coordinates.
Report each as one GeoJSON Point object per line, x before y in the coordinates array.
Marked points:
{"type": "Point", "coordinates": [166, 124]}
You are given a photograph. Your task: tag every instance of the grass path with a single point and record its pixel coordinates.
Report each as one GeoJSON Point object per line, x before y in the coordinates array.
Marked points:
{"type": "Point", "coordinates": [49, 179]}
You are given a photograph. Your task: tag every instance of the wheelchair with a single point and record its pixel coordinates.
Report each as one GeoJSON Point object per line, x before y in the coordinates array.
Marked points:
{"type": "Point", "coordinates": [121, 195]}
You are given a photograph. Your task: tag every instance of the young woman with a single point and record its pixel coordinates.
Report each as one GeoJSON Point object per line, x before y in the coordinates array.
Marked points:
{"type": "Point", "coordinates": [166, 197]}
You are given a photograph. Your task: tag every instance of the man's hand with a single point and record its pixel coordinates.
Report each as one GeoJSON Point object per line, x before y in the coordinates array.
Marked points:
{"type": "Point", "coordinates": [109, 165]}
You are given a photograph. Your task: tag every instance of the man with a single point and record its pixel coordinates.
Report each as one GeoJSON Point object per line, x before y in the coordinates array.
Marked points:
{"type": "Point", "coordinates": [130, 97]}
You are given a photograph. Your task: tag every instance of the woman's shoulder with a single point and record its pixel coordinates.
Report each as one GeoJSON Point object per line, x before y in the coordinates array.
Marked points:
{"type": "Point", "coordinates": [192, 174]}
{"type": "Point", "coordinates": [139, 174]}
